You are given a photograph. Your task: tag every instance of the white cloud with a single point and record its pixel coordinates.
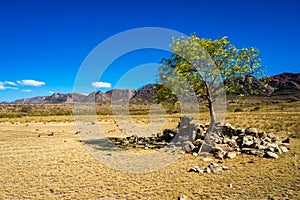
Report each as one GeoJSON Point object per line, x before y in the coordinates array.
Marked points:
{"type": "Point", "coordinates": [12, 88]}
{"type": "Point", "coordinates": [101, 85]}
{"type": "Point", "coordinates": [51, 92]}
{"type": "Point", "coordinates": [26, 90]}
{"type": "Point", "coordinates": [10, 83]}
{"type": "Point", "coordinates": [2, 87]}
{"type": "Point", "coordinates": [31, 83]}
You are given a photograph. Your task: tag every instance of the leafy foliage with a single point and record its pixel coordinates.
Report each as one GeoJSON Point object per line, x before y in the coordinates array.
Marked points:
{"type": "Point", "coordinates": [205, 65]}
{"type": "Point", "coordinates": [229, 63]}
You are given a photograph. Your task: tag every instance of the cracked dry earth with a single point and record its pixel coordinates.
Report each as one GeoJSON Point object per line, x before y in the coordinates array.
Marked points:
{"type": "Point", "coordinates": [46, 160]}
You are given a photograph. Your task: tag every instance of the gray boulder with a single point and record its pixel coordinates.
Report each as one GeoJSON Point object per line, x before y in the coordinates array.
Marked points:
{"type": "Point", "coordinates": [251, 131]}
{"type": "Point", "coordinates": [271, 154]}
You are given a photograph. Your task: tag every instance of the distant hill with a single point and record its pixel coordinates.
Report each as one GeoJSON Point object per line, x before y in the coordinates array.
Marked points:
{"type": "Point", "coordinates": [281, 84]}
{"type": "Point", "coordinates": [285, 86]}
{"type": "Point", "coordinates": [54, 98]}
{"type": "Point", "coordinates": [145, 93]}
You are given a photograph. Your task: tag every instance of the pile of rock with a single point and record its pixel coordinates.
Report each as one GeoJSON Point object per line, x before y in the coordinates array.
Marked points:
{"type": "Point", "coordinates": [135, 141]}
{"type": "Point", "coordinates": [250, 141]}
{"type": "Point", "coordinates": [225, 141]}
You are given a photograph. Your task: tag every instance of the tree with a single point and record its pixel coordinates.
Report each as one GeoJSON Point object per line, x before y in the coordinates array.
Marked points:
{"type": "Point", "coordinates": [210, 67]}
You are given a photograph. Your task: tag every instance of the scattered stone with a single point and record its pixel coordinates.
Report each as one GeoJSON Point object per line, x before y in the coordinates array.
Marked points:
{"type": "Point", "coordinates": [214, 164]}
{"type": "Point", "coordinates": [181, 152]}
{"type": "Point", "coordinates": [272, 147]}
{"type": "Point", "coordinates": [219, 155]}
{"type": "Point", "coordinates": [258, 153]}
{"type": "Point", "coordinates": [170, 150]}
{"type": "Point", "coordinates": [171, 146]}
{"type": "Point", "coordinates": [230, 185]}
{"type": "Point", "coordinates": [196, 169]}
{"type": "Point", "coordinates": [230, 154]}
{"type": "Point", "coordinates": [195, 154]}
{"type": "Point", "coordinates": [51, 134]}
{"type": "Point", "coordinates": [125, 142]}
{"type": "Point", "coordinates": [212, 168]}
{"type": "Point", "coordinates": [207, 159]}
{"type": "Point", "coordinates": [207, 170]}
{"type": "Point", "coordinates": [215, 168]}
{"type": "Point", "coordinates": [183, 197]}
{"type": "Point", "coordinates": [271, 154]}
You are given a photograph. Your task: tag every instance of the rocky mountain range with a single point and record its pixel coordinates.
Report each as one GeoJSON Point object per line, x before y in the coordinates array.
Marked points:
{"type": "Point", "coordinates": [284, 85]}
{"type": "Point", "coordinates": [144, 93]}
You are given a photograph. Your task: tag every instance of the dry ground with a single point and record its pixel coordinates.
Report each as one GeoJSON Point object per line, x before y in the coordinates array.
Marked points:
{"type": "Point", "coordinates": [36, 165]}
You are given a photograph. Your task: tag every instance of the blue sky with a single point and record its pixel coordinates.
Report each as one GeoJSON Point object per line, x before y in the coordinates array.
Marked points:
{"type": "Point", "coordinates": [43, 43]}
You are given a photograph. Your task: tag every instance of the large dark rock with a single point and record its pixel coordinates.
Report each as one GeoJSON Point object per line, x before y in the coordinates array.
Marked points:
{"type": "Point", "coordinates": [188, 146]}
{"type": "Point", "coordinates": [251, 131]}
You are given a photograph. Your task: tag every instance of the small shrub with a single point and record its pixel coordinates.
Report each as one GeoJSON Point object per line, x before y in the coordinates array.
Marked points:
{"type": "Point", "coordinates": [256, 108]}
{"type": "Point", "coordinates": [26, 109]}
{"type": "Point", "coordinates": [238, 110]}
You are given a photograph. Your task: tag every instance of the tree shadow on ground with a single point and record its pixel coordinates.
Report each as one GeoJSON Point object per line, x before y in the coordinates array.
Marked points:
{"type": "Point", "coordinates": [103, 144]}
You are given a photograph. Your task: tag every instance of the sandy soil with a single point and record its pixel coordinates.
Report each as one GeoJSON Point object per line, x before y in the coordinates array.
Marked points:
{"type": "Point", "coordinates": [41, 159]}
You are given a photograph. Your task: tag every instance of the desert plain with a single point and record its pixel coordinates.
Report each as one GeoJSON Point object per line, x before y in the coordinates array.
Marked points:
{"type": "Point", "coordinates": [43, 157]}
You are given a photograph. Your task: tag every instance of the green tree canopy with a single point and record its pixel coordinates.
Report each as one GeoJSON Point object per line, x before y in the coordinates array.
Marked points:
{"type": "Point", "coordinates": [206, 65]}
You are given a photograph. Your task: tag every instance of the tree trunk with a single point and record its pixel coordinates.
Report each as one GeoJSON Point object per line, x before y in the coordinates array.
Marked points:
{"type": "Point", "coordinates": [212, 113]}
{"type": "Point", "coordinates": [208, 144]}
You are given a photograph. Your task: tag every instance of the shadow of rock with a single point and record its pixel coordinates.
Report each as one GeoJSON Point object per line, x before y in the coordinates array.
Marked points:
{"type": "Point", "coordinates": [103, 144]}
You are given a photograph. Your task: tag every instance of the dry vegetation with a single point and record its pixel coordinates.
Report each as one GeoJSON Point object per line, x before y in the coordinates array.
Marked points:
{"type": "Point", "coordinates": [34, 164]}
